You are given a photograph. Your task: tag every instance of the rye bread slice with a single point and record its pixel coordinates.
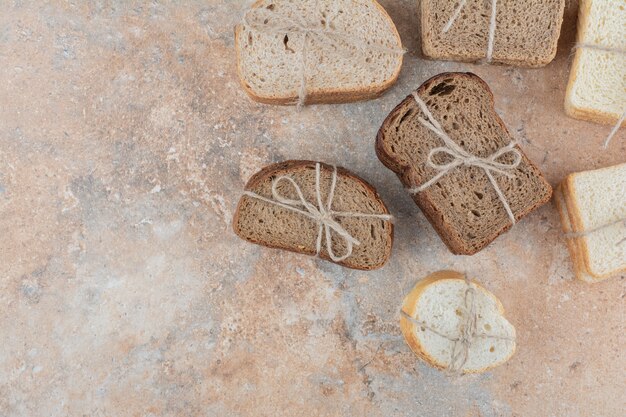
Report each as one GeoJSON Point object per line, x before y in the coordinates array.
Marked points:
{"type": "Point", "coordinates": [273, 226]}
{"type": "Point", "coordinates": [462, 206]}
{"type": "Point", "coordinates": [269, 61]}
{"type": "Point", "coordinates": [527, 31]}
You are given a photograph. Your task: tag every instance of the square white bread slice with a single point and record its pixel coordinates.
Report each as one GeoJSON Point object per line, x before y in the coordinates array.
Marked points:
{"type": "Point", "coordinates": [439, 301]}
{"type": "Point", "coordinates": [597, 84]}
{"type": "Point", "coordinates": [589, 201]}
{"type": "Point", "coordinates": [336, 71]}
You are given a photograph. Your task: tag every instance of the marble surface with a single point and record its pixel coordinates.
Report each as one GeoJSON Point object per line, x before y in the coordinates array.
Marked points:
{"type": "Point", "coordinates": [125, 142]}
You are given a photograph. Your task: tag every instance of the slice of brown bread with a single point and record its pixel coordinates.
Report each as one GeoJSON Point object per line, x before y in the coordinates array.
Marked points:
{"type": "Point", "coordinates": [527, 31]}
{"type": "Point", "coordinates": [463, 205]}
{"type": "Point", "coordinates": [268, 224]}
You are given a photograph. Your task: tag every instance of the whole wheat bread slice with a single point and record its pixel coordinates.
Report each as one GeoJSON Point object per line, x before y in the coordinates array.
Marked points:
{"type": "Point", "coordinates": [273, 226]}
{"type": "Point", "coordinates": [591, 205]}
{"type": "Point", "coordinates": [270, 64]}
{"type": "Point", "coordinates": [597, 86]}
{"type": "Point", "coordinates": [438, 301]}
{"type": "Point", "coordinates": [462, 206]}
{"type": "Point", "coordinates": [527, 31]}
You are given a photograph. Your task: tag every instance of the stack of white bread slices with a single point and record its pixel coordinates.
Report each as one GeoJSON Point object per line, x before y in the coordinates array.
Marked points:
{"type": "Point", "coordinates": [592, 205]}
{"type": "Point", "coordinates": [597, 85]}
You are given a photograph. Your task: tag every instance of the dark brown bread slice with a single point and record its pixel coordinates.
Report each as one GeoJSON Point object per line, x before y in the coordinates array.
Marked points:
{"type": "Point", "coordinates": [527, 31]}
{"type": "Point", "coordinates": [462, 206]}
{"type": "Point", "coordinates": [269, 225]}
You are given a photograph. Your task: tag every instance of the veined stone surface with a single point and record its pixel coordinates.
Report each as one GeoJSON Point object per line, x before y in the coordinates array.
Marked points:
{"type": "Point", "coordinates": [125, 143]}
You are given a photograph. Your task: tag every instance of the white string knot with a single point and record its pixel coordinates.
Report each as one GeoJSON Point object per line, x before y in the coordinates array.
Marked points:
{"type": "Point", "coordinates": [322, 213]}
{"type": "Point", "coordinates": [492, 26]}
{"type": "Point", "coordinates": [264, 20]}
{"type": "Point", "coordinates": [461, 157]}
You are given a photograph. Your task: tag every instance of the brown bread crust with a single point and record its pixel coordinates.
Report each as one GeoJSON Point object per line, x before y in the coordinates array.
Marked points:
{"type": "Point", "coordinates": [283, 168]}
{"type": "Point", "coordinates": [423, 199]}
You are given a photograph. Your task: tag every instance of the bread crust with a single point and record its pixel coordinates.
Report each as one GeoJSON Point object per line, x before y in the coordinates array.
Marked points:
{"type": "Point", "coordinates": [423, 200]}
{"type": "Point", "coordinates": [584, 113]}
{"type": "Point", "coordinates": [429, 50]}
{"type": "Point", "coordinates": [409, 306]}
{"type": "Point", "coordinates": [323, 95]}
{"type": "Point", "coordinates": [285, 167]}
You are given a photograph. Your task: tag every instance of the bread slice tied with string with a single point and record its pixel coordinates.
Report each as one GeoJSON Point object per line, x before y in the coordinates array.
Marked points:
{"type": "Point", "coordinates": [316, 209]}
{"type": "Point", "coordinates": [317, 51]}
{"type": "Point", "coordinates": [514, 32]}
{"type": "Point", "coordinates": [597, 85]}
{"type": "Point", "coordinates": [459, 162]}
{"type": "Point", "coordinates": [592, 205]}
{"type": "Point", "coordinates": [456, 325]}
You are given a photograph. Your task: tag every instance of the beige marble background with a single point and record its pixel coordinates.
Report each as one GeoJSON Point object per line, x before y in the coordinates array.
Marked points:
{"type": "Point", "coordinates": [125, 142]}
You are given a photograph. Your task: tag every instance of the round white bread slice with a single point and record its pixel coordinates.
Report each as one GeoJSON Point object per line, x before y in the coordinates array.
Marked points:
{"type": "Point", "coordinates": [269, 61]}
{"type": "Point", "coordinates": [438, 301]}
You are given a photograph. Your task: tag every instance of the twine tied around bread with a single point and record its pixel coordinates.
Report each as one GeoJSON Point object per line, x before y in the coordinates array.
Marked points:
{"type": "Point", "coordinates": [322, 214]}
{"type": "Point", "coordinates": [264, 20]}
{"type": "Point", "coordinates": [576, 235]}
{"type": "Point", "coordinates": [609, 49]}
{"type": "Point", "coordinates": [460, 157]}
{"type": "Point", "coordinates": [467, 331]}
{"type": "Point", "coordinates": [492, 26]}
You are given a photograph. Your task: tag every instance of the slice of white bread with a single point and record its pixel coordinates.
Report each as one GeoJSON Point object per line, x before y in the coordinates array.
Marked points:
{"type": "Point", "coordinates": [526, 34]}
{"type": "Point", "coordinates": [595, 201]}
{"type": "Point", "coordinates": [597, 84]}
{"type": "Point", "coordinates": [439, 301]}
{"type": "Point", "coordinates": [270, 61]}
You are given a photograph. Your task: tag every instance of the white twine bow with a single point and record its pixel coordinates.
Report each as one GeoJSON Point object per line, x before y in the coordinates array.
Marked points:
{"type": "Point", "coordinates": [460, 157]}
{"type": "Point", "coordinates": [265, 21]}
{"type": "Point", "coordinates": [322, 214]}
{"type": "Point", "coordinates": [467, 331]}
{"type": "Point", "coordinates": [608, 49]}
{"type": "Point", "coordinates": [492, 26]}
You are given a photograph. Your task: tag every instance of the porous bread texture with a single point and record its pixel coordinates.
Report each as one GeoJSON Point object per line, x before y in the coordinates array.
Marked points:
{"type": "Point", "coordinates": [527, 31]}
{"type": "Point", "coordinates": [277, 227]}
{"type": "Point", "coordinates": [597, 86]}
{"type": "Point", "coordinates": [462, 206]}
{"type": "Point", "coordinates": [270, 65]}
{"type": "Point", "coordinates": [588, 201]}
{"type": "Point", "coordinates": [439, 301]}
